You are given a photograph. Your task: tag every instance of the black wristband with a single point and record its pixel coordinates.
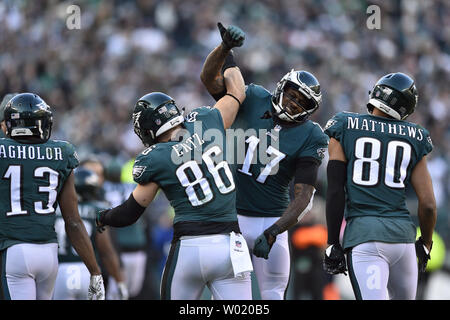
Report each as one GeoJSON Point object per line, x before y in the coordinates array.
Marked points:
{"type": "Point", "coordinates": [273, 230]}
{"type": "Point", "coordinates": [123, 215]}
{"type": "Point", "coordinates": [229, 62]}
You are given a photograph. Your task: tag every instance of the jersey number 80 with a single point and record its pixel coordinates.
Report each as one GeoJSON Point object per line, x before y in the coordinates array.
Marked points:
{"type": "Point", "coordinates": [366, 168]}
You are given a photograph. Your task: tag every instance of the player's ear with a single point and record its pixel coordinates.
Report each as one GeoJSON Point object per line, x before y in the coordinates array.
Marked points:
{"type": "Point", "coordinates": [3, 126]}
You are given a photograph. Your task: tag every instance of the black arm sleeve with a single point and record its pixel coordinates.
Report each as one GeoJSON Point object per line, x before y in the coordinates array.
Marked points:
{"type": "Point", "coordinates": [306, 171]}
{"type": "Point", "coordinates": [335, 203]}
{"type": "Point", "coordinates": [123, 215]}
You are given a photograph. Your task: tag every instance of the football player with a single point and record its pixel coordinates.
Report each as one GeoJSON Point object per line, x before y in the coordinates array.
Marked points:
{"type": "Point", "coordinates": [73, 277]}
{"type": "Point", "coordinates": [36, 176]}
{"type": "Point", "coordinates": [281, 144]}
{"type": "Point", "coordinates": [185, 159]}
{"type": "Point", "coordinates": [130, 241]}
{"type": "Point", "coordinates": [373, 158]}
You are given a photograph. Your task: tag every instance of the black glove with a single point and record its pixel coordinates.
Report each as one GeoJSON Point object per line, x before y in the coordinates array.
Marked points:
{"type": "Point", "coordinates": [423, 255]}
{"type": "Point", "coordinates": [98, 220]}
{"type": "Point", "coordinates": [232, 36]}
{"type": "Point", "coordinates": [334, 260]}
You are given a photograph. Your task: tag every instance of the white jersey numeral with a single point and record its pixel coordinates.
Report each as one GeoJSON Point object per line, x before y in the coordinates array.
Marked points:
{"type": "Point", "coordinates": [201, 182]}
{"type": "Point", "coordinates": [252, 144]}
{"type": "Point", "coordinates": [14, 174]}
{"type": "Point", "coordinates": [366, 168]}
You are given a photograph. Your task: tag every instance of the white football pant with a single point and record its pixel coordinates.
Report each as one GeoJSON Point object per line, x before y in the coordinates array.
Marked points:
{"type": "Point", "coordinates": [272, 274]}
{"type": "Point", "coordinates": [380, 270]}
{"type": "Point", "coordinates": [198, 261]}
{"type": "Point", "coordinates": [29, 270]}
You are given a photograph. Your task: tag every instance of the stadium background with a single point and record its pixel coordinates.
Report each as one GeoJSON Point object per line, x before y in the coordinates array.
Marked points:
{"type": "Point", "coordinates": [92, 76]}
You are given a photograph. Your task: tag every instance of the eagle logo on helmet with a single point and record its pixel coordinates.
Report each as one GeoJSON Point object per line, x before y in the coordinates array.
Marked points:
{"type": "Point", "coordinates": [136, 117]}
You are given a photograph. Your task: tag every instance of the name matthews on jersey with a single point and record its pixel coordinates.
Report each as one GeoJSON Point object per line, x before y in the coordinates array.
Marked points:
{"type": "Point", "coordinates": [391, 128]}
{"type": "Point", "coordinates": [30, 152]}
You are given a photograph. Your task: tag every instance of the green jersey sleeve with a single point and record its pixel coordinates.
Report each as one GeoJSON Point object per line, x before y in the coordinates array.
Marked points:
{"type": "Point", "coordinates": [72, 157]}
{"type": "Point", "coordinates": [317, 144]}
{"type": "Point", "coordinates": [427, 145]}
{"type": "Point", "coordinates": [143, 170]}
{"type": "Point", "coordinates": [210, 117]}
{"type": "Point", "coordinates": [335, 126]}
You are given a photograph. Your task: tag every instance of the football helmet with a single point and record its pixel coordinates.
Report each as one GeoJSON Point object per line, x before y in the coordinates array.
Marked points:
{"type": "Point", "coordinates": [87, 184]}
{"type": "Point", "coordinates": [395, 94]}
{"type": "Point", "coordinates": [154, 114]}
{"type": "Point", "coordinates": [306, 84]}
{"type": "Point", "coordinates": [28, 118]}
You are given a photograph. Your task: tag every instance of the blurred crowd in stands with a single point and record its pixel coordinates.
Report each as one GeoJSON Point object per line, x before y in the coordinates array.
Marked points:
{"type": "Point", "coordinates": [92, 76]}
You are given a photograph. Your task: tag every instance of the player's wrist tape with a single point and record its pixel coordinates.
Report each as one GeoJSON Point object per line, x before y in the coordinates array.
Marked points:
{"type": "Point", "coordinates": [229, 94]}
{"type": "Point", "coordinates": [229, 62]}
{"type": "Point", "coordinates": [425, 247]}
{"type": "Point", "coordinates": [123, 215]}
{"type": "Point", "coordinates": [273, 230]}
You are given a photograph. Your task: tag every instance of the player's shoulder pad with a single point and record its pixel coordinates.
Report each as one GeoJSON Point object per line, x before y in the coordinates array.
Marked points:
{"type": "Point", "coordinates": [318, 132]}
{"type": "Point", "coordinates": [256, 90]}
{"type": "Point", "coordinates": [63, 143]}
{"type": "Point", "coordinates": [211, 116]}
{"type": "Point", "coordinates": [428, 143]}
{"type": "Point", "coordinates": [199, 112]}
{"type": "Point", "coordinates": [69, 151]}
{"type": "Point", "coordinates": [318, 139]}
{"type": "Point", "coordinates": [335, 126]}
{"type": "Point", "coordinates": [143, 163]}
{"type": "Point", "coordinates": [147, 153]}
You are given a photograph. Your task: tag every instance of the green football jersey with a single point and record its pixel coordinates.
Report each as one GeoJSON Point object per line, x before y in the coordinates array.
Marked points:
{"type": "Point", "coordinates": [32, 177]}
{"type": "Point", "coordinates": [88, 211]}
{"type": "Point", "coordinates": [381, 154]}
{"type": "Point", "coordinates": [193, 172]}
{"type": "Point", "coordinates": [266, 154]}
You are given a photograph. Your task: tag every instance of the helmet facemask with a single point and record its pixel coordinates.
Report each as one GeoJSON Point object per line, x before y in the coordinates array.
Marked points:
{"type": "Point", "coordinates": [311, 101]}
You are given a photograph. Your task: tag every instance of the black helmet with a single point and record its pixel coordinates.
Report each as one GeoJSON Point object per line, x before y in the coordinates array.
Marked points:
{"type": "Point", "coordinates": [28, 118]}
{"type": "Point", "coordinates": [87, 184]}
{"type": "Point", "coordinates": [154, 114]}
{"type": "Point", "coordinates": [395, 94]}
{"type": "Point", "coordinates": [306, 84]}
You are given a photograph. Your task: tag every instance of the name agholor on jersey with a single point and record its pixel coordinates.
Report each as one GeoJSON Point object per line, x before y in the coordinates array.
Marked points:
{"type": "Point", "coordinates": [30, 152]}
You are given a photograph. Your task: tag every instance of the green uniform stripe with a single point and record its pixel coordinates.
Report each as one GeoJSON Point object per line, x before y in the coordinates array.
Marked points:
{"type": "Point", "coordinates": [4, 291]}
{"type": "Point", "coordinates": [169, 270]}
{"type": "Point", "coordinates": [352, 275]}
